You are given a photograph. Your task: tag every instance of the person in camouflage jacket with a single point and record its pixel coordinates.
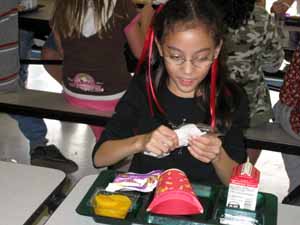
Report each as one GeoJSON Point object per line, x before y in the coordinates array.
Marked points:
{"type": "Point", "coordinates": [253, 49]}
{"type": "Point", "coordinates": [253, 46]}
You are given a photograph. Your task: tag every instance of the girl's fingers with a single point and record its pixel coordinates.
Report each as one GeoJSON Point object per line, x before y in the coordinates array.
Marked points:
{"type": "Point", "coordinates": [162, 140]}
{"type": "Point", "coordinates": [157, 145]}
{"type": "Point", "coordinates": [205, 148]}
{"type": "Point", "coordinates": [199, 156]}
{"type": "Point", "coordinates": [205, 144]}
{"type": "Point", "coordinates": [167, 132]}
{"type": "Point", "coordinates": [202, 149]}
{"type": "Point", "coordinates": [167, 137]}
{"type": "Point", "coordinates": [203, 153]}
{"type": "Point", "coordinates": [155, 148]}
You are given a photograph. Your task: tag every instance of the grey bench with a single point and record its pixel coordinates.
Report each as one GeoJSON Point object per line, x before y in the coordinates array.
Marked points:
{"type": "Point", "coordinates": [49, 105]}
{"type": "Point", "coordinates": [53, 106]}
{"type": "Point", "coordinates": [272, 137]}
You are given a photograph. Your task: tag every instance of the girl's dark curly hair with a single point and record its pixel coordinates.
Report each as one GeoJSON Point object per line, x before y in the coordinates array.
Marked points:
{"type": "Point", "coordinates": [189, 14]}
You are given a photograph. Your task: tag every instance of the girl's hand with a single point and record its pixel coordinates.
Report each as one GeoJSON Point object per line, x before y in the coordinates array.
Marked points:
{"type": "Point", "coordinates": [161, 140]}
{"type": "Point", "coordinates": [205, 148]}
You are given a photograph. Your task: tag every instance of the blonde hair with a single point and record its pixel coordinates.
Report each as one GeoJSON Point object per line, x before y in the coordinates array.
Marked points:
{"type": "Point", "coordinates": [68, 16]}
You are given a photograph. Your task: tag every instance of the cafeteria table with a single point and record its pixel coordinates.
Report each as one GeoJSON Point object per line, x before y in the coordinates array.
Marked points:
{"type": "Point", "coordinates": [66, 214]}
{"type": "Point", "coordinates": [37, 20]}
{"type": "Point", "coordinates": [23, 191]}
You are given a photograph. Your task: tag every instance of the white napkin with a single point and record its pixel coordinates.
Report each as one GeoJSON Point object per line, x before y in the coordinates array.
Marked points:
{"type": "Point", "coordinates": [183, 134]}
{"type": "Point", "coordinates": [187, 131]}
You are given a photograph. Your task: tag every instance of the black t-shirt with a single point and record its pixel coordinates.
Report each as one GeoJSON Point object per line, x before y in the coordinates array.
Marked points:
{"type": "Point", "coordinates": [133, 117]}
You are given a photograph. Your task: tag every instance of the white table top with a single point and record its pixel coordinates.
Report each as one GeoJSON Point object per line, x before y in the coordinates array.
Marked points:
{"type": "Point", "coordinates": [23, 189]}
{"type": "Point", "coordinates": [66, 214]}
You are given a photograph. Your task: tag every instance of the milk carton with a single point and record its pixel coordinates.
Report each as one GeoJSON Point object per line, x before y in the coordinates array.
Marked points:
{"type": "Point", "coordinates": [243, 187]}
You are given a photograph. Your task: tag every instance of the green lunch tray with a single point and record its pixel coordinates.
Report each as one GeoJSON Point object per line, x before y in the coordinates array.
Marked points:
{"type": "Point", "coordinates": [212, 198]}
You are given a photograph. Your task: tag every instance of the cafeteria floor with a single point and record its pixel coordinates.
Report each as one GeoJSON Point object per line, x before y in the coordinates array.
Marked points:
{"type": "Point", "coordinates": [76, 142]}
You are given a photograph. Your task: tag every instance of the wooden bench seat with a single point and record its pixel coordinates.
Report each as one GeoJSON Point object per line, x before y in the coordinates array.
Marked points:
{"type": "Point", "coordinates": [272, 137]}
{"type": "Point", "coordinates": [49, 105]}
{"type": "Point", "coordinates": [53, 106]}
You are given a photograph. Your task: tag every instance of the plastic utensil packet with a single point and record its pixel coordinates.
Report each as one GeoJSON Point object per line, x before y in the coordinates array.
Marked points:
{"type": "Point", "coordinates": [134, 182]}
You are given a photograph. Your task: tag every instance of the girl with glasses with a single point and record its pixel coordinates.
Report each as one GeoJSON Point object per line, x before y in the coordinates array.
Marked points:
{"type": "Point", "coordinates": [183, 81]}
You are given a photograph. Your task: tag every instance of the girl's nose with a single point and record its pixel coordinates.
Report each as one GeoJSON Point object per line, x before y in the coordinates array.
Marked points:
{"type": "Point", "coordinates": [187, 67]}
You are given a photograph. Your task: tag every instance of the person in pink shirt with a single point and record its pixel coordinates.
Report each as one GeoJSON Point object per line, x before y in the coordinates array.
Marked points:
{"type": "Point", "coordinates": [89, 37]}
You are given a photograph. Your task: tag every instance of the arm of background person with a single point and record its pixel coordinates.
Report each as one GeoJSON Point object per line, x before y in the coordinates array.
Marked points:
{"type": "Point", "coordinates": [273, 56]}
{"type": "Point", "coordinates": [136, 31]}
{"type": "Point", "coordinates": [281, 6]}
{"type": "Point", "coordinates": [58, 44]}
{"type": "Point", "coordinates": [52, 50]}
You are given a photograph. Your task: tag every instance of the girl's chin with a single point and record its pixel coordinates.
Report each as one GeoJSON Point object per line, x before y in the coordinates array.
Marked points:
{"type": "Point", "coordinates": [186, 92]}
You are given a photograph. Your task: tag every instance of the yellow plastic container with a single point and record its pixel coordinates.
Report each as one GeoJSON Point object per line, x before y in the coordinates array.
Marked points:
{"type": "Point", "coordinates": [112, 205]}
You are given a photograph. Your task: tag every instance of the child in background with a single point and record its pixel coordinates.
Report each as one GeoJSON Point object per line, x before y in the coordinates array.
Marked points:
{"type": "Point", "coordinates": [12, 80]}
{"type": "Point", "coordinates": [50, 52]}
{"type": "Point", "coordinates": [188, 41]}
{"type": "Point", "coordinates": [287, 113]}
{"type": "Point", "coordinates": [253, 46]}
{"type": "Point", "coordinates": [90, 37]}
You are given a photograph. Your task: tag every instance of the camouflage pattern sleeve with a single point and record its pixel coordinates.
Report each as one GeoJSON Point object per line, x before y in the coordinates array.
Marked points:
{"type": "Point", "coordinates": [251, 49]}
{"type": "Point", "coordinates": [273, 55]}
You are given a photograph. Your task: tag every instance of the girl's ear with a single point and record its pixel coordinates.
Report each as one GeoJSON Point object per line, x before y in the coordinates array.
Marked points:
{"type": "Point", "coordinates": [218, 49]}
{"type": "Point", "coordinates": [159, 47]}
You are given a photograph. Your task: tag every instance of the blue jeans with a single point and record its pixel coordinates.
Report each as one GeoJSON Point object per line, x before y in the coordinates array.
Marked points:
{"type": "Point", "coordinates": [25, 45]}
{"type": "Point", "coordinates": [34, 129]}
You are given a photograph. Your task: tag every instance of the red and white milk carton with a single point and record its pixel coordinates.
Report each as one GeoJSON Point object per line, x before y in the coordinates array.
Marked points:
{"type": "Point", "coordinates": [243, 187]}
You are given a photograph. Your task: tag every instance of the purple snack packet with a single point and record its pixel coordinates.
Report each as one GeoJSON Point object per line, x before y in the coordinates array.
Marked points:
{"type": "Point", "coordinates": [135, 182]}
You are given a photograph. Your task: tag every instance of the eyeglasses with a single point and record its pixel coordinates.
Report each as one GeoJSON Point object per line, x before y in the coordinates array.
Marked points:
{"type": "Point", "coordinates": [198, 62]}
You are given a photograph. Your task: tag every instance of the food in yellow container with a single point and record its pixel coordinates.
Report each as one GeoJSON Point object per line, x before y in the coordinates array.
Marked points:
{"type": "Point", "coordinates": [112, 205]}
